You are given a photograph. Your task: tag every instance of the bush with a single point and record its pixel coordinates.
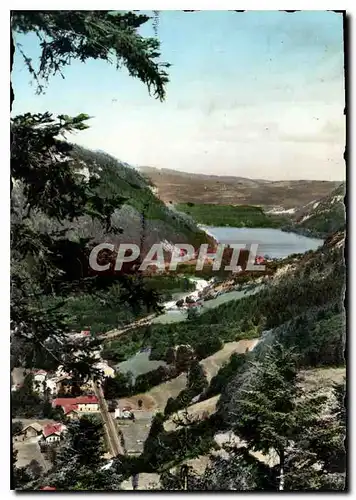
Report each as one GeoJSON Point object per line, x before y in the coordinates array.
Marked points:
{"type": "Point", "coordinates": [119, 386]}
{"type": "Point", "coordinates": [207, 348]}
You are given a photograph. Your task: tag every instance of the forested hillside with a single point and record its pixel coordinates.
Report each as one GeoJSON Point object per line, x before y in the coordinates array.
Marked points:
{"type": "Point", "coordinates": [142, 216]}
{"type": "Point", "coordinates": [285, 434]}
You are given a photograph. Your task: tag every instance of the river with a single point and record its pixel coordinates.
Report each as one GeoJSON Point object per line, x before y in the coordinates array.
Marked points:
{"type": "Point", "coordinates": [176, 315]}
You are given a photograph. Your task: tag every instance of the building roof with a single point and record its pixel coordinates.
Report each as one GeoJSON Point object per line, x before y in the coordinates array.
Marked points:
{"type": "Point", "coordinates": [69, 408]}
{"type": "Point", "coordinates": [35, 425]}
{"type": "Point", "coordinates": [86, 400]}
{"type": "Point", "coordinates": [50, 429]}
{"type": "Point", "coordinates": [48, 488]}
{"type": "Point", "coordinates": [66, 402]}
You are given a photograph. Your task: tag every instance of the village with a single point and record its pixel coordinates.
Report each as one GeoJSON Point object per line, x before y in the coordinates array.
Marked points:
{"type": "Point", "coordinates": [126, 426]}
{"type": "Point", "coordinates": [37, 440]}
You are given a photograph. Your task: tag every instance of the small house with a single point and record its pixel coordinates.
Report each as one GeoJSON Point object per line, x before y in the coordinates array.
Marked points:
{"type": "Point", "coordinates": [51, 386]}
{"type": "Point", "coordinates": [39, 380]}
{"type": "Point", "coordinates": [87, 403]}
{"type": "Point", "coordinates": [32, 430]}
{"type": "Point", "coordinates": [53, 432]}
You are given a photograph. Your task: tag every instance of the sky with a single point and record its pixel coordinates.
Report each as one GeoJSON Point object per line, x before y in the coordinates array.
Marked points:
{"type": "Point", "coordinates": [257, 94]}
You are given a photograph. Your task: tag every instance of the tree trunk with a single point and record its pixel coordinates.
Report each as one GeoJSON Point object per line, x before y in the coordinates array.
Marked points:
{"type": "Point", "coordinates": [281, 470]}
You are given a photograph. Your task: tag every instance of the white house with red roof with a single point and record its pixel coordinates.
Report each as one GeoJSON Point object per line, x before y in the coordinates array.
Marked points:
{"type": "Point", "coordinates": [81, 404]}
{"type": "Point", "coordinates": [53, 432]}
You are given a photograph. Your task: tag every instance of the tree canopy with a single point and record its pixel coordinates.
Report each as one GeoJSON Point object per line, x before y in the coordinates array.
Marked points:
{"type": "Point", "coordinates": [111, 36]}
{"type": "Point", "coordinates": [45, 180]}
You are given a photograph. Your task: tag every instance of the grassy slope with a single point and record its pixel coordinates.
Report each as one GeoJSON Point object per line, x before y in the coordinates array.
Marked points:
{"type": "Point", "coordinates": [119, 179]}
{"type": "Point", "coordinates": [231, 215]}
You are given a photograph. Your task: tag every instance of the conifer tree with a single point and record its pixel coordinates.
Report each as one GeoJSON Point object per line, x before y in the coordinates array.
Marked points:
{"type": "Point", "coordinates": [274, 416]}
{"type": "Point", "coordinates": [44, 179]}
{"type": "Point", "coordinates": [79, 461]}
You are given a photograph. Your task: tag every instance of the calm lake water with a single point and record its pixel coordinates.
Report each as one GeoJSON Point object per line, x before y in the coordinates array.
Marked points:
{"type": "Point", "coordinates": [272, 242]}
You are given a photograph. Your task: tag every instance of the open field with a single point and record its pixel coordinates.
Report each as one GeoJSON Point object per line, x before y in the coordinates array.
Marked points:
{"type": "Point", "coordinates": [27, 451]}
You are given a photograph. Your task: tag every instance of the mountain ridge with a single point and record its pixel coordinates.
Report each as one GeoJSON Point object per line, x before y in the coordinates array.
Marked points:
{"type": "Point", "coordinates": [183, 187]}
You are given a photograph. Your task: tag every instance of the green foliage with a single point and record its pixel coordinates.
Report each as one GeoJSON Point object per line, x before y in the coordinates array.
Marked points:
{"type": "Point", "coordinates": [196, 384]}
{"type": "Point", "coordinates": [16, 428]}
{"type": "Point", "coordinates": [231, 215]}
{"type": "Point", "coordinates": [164, 449]}
{"type": "Point", "coordinates": [196, 378]}
{"type": "Point", "coordinates": [318, 336]}
{"type": "Point", "coordinates": [83, 447]}
{"type": "Point", "coordinates": [48, 195]}
{"type": "Point", "coordinates": [148, 380]}
{"type": "Point", "coordinates": [20, 476]}
{"type": "Point", "coordinates": [82, 35]}
{"type": "Point", "coordinates": [56, 192]}
{"type": "Point", "coordinates": [239, 472]}
{"type": "Point", "coordinates": [77, 463]}
{"type": "Point", "coordinates": [318, 279]}
{"type": "Point", "coordinates": [119, 386]}
{"type": "Point", "coordinates": [209, 346]}
{"type": "Point", "coordinates": [25, 402]}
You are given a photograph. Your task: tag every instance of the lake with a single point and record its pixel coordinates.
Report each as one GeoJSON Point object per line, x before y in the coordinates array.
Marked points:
{"type": "Point", "coordinates": [139, 364]}
{"type": "Point", "coordinates": [272, 242]}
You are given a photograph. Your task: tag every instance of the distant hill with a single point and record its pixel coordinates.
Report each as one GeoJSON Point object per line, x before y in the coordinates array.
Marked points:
{"type": "Point", "coordinates": [183, 187]}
